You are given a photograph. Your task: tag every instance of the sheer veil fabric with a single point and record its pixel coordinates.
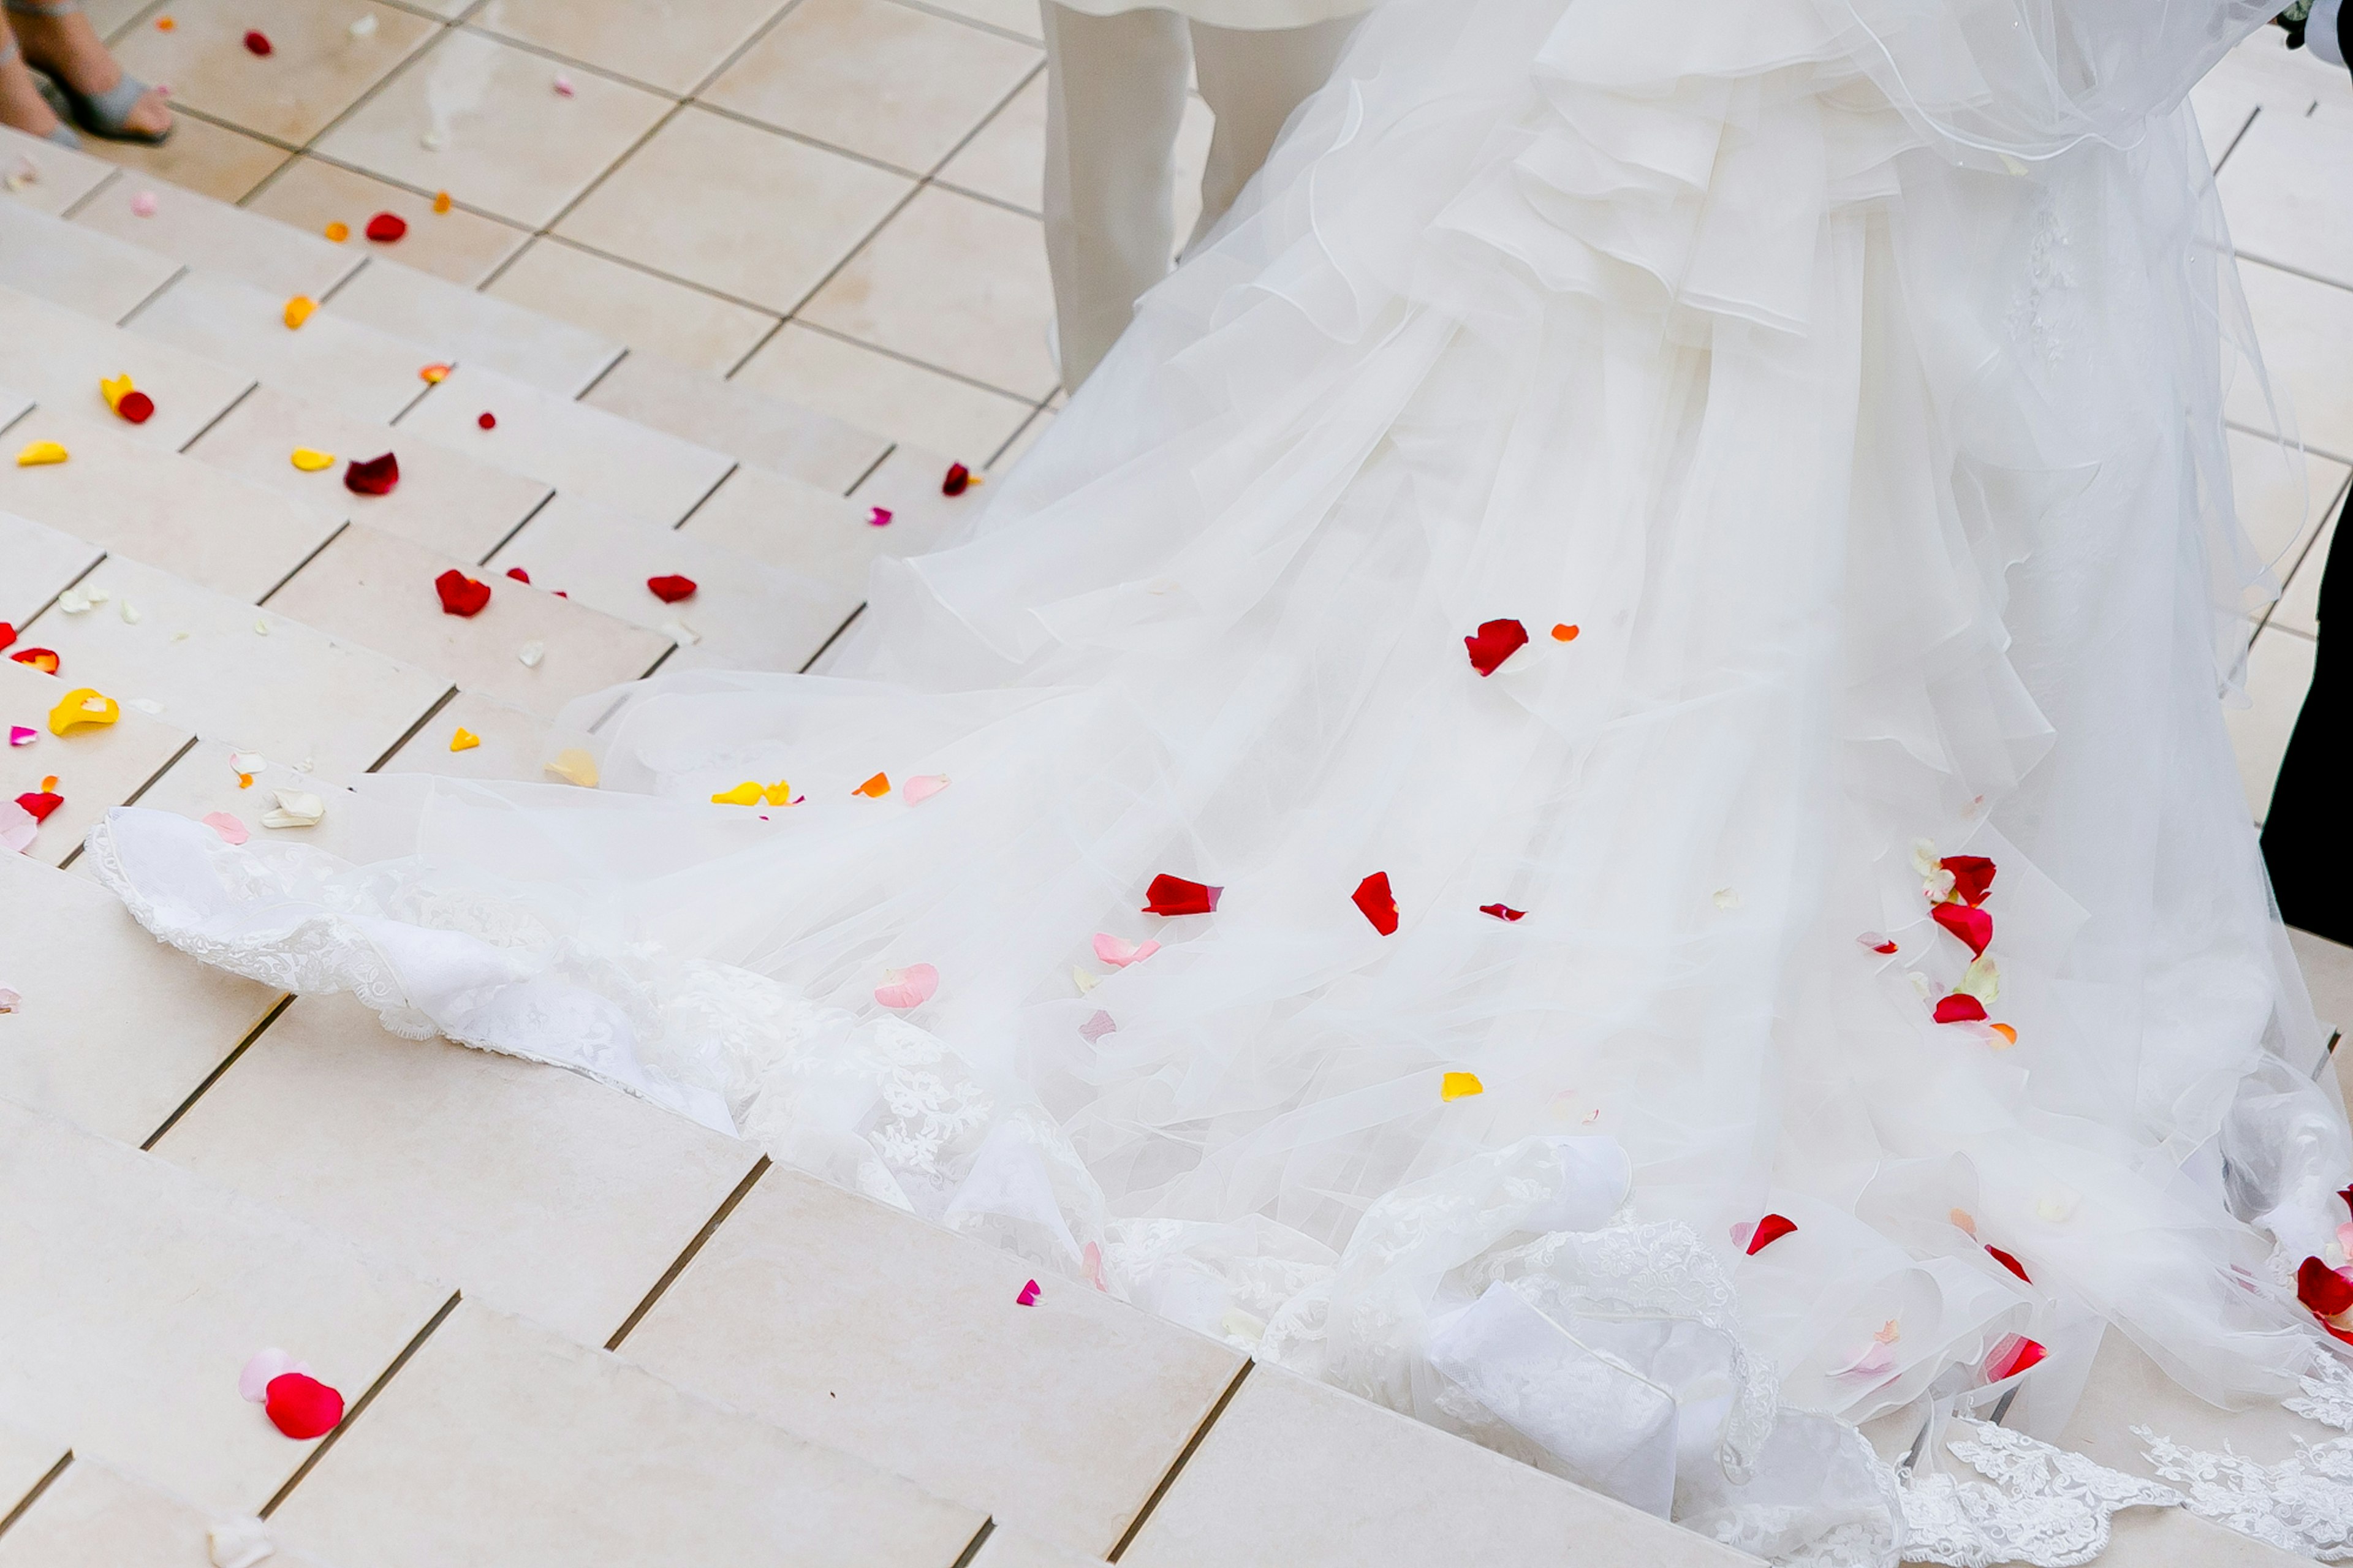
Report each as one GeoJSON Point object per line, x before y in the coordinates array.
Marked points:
{"type": "Point", "coordinates": [1848, 374]}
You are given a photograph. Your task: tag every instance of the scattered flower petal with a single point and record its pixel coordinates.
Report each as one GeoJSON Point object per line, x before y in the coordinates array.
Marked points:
{"type": "Point", "coordinates": [231, 829]}
{"type": "Point", "coordinates": [461, 595]}
{"type": "Point", "coordinates": [1377, 902]}
{"type": "Point", "coordinates": [744, 793]}
{"type": "Point", "coordinates": [40, 803]}
{"type": "Point", "coordinates": [1083, 979]}
{"type": "Point", "coordinates": [958, 480]}
{"type": "Point", "coordinates": [1963, 1220]}
{"type": "Point", "coordinates": [338, 231]}
{"type": "Point", "coordinates": [1972, 925]}
{"type": "Point", "coordinates": [385, 227]}
{"type": "Point", "coordinates": [1725, 898]}
{"type": "Point", "coordinates": [2009, 1036]}
{"type": "Point", "coordinates": [1972, 876]}
{"type": "Point", "coordinates": [2013, 1354]}
{"type": "Point", "coordinates": [1029, 1296]}
{"type": "Point", "coordinates": [82, 707]}
{"type": "Point", "coordinates": [574, 766]}
{"type": "Point", "coordinates": [39, 453]}
{"type": "Point", "coordinates": [781, 794]}
{"type": "Point", "coordinates": [879, 518]}
{"type": "Point", "coordinates": [239, 1543]}
{"type": "Point", "coordinates": [1959, 1008]}
{"type": "Point", "coordinates": [295, 808]}
{"type": "Point", "coordinates": [301, 1407]}
{"type": "Point", "coordinates": [1119, 953]}
{"type": "Point", "coordinates": [433, 140]}
{"type": "Point", "coordinates": [310, 461]}
{"type": "Point", "coordinates": [1876, 943]}
{"type": "Point", "coordinates": [1177, 896]}
{"type": "Point", "coordinates": [670, 589]}
{"type": "Point", "coordinates": [1982, 980]}
{"type": "Point", "coordinates": [256, 42]}
{"type": "Point", "coordinates": [531, 652]}
{"type": "Point", "coordinates": [376, 477]}
{"type": "Point", "coordinates": [1873, 1362]}
{"type": "Point", "coordinates": [114, 389]}
{"type": "Point", "coordinates": [253, 1382]}
{"type": "Point", "coordinates": [909, 987]}
{"type": "Point", "coordinates": [441, 203]}
{"type": "Point", "coordinates": [563, 85]}
{"type": "Point", "coordinates": [165, 24]}
{"type": "Point", "coordinates": [1770, 1229]}
{"type": "Point", "coordinates": [74, 602]}
{"type": "Point", "coordinates": [363, 27]}
{"type": "Point", "coordinates": [1460, 1086]}
{"type": "Point", "coordinates": [923, 787]}
{"type": "Point", "coordinates": [21, 735]}
{"type": "Point", "coordinates": [143, 205]}
{"type": "Point", "coordinates": [487, 420]}
{"type": "Point", "coordinates": [1096, 1028]}
{"type": "Point", "coordinates": [1564, 632]}
{"type": "Point", "coordinates": [2324, 1289]}
{"type": "Point", "coordinates": [41, 659]}
{"type": "Point", "coordinates": [1502, 911]}
{"type": "Point", "coordinates": [874, 788]}
{"type": "Point", "coordinates": [7, 634]}
{"type": "Point", "coordinates": [131, 614]}
{"type": "Point", "coordinates": [435, 372]}
{"type": "Point", "coordinates": [465, 739]}
{"type": "Point", "coordinates": [18, 829]}
{"type": "Point", "coordinates": [2007, 1261]}
{"type": "Point", "coordinates": [1494, 642]}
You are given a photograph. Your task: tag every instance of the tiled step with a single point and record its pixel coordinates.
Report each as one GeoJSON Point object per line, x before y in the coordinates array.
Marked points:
{"type": "Point", "coordinates": [275, 258]}
{"type": "Point", "coordinates": [461, 327]}
{"type": "Point", "coordinates": [501, 1443]}
{"type": "Point", "coordinates": [96, 1516]}
{"type": "Point", "coordinates": [1011, 1549]}
{"type": "Point", "coordinates": [60, 176]}
{"type": "Point", "coordinates": [96, 274]}
{"type": "Point", "coordinates": [57, 357]}
{"type": "Point", "coordinates": [26, 1458]}
{"type": "Point", "coordinates": [766, 432]}
{"type": "Point", "coordinates": [571, 445]}
{"type": "Point", "coordinates": [328, 361]}
{"type": "Point", "coordinates": [135, 1293]}
{"type": "Point", "coordinates": [182, 515]}
{"type": "Point", "coordinates": [534, 1190]}
{"type": "Point", "coordinates": [446, 502]}
{"type": "Point", "coordinates": [377, 591]}
{"type": "Point", "coordinates": [869, 1331]}
{"type": "Point", "coordinates": [799, 528]}
{"type": "Point", "coordinates": [40, 561]}
{"type": "Point", "coordinates": [743, 614]}
{"type": "Point", "coordinates": [258, 679]}
{"type": "Point", "coordinates": [206, 782]}
{"type": "Point", "coordinates": [96, 766]}
{"type": "Point", "coordinates": [115, 1030]}
{"type": "Point", "coordinates": [510, 742]}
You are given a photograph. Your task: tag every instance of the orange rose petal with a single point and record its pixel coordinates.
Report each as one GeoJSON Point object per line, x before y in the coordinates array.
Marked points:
{"type": "Point", "coordinates": [440, 201]}
{"type": "Point", "coordinates": [435, 372]}
{"type": "Point", "coordinates": [338, 231]}
{"type": "Point", "coordinates": [874, 788]}
{"type": "Point", "coordinates": [2009, 1036]}
{"type": "Point", "coordinates": [1564, 633]}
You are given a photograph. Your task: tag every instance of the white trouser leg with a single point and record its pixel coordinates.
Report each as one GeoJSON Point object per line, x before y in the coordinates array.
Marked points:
{"type": "Point", "coordinates": [1251, 81]}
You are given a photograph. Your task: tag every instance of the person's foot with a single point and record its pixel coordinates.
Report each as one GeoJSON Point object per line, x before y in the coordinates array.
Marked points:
{"type": "Point", "coordinates": [22, 107]}
{"type": "Point", "coordinates": [70, 49]}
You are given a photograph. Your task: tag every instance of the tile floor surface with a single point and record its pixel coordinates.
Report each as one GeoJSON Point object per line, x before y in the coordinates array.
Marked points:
{"type": "Point", "coordinates": [732, 274]}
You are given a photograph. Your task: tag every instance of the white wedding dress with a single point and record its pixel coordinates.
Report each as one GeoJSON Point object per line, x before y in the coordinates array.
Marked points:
{"type": "Point", "coordinates": [1847, 374]}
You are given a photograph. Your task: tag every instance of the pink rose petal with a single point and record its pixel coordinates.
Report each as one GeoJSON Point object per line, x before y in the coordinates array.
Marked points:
{"type": "Point", "coordinates": [1029, 1296]}
{"type": "Point", "coordinates": [232, 831]}
{"type": "Point", "coordinates": [18, 735]}
{"type": "Point", "coordinates": [253, 1382]}
{"type": "Point", "coordinates": [1096, 1028]}
{"type": "Point", "coordinates": [879, 518]}
{"type": "Point", "coordinates": [1119, 953]}
{"type": "Point", "coordinates": [923, 787]}
{"type": "Point", "coordinates": [909, 987]}
{"type": "Point", "coordinates": [143, 205]}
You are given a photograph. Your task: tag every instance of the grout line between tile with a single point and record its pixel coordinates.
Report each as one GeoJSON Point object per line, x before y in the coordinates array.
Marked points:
{"type": "Point", "coordinates": [447, 696]}
{"type": "Point", "coordinates": [152, 296]}
{"type": "Point", "coordinates": [25, 1504]}
{"type": "Point", "coordinates": [520, 523]}
{"type": "Point", "coordinates": [979, 1538]}
{"type": "Point", "coordinates": [91, 194]}
{"type": "Point", "coordinates": [677, 1266]}
{"type": "Point", "coordinates": [137, 17]}
{"type": "Point", "coordinates": [1031, 400]}
{"type": "Point", "coordinates": [2290, 267]}
{"type": "Point", "coordinates": [212, 1078]}
{"type": "Point", "coordinates": [831, 640]}
{"type": "Point", "coordinates": [340, 528]}
{"type": "Point", "coordinates": [568, 243]}
{"type": "Point", "coordinates": [871, 468]}
{"type": "Point", "coordinates": [733, 464]}
{"type": "Point", "coordinates": [207, 428]}
{"type": "Point", "coordinates": [1144, 1514]}
{"type": "Point", "coordinates": [310, 1461]}
{"type": "Point", "coordinates": [599, 379]}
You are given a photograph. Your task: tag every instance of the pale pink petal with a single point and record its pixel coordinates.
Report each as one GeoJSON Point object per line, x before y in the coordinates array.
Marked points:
{"type": "Point", "coordinates": [231, 830]}
{"type": "Point", "coordinates": [253, 1382]}
{"type": "Point", "coordinates": [1119, 953]}
{"type": "Point", "coordinates": [923, 787]}
{"type": "Point", "coordinates": [909, 987]}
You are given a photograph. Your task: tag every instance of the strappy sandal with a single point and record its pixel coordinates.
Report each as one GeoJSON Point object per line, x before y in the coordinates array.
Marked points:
{"type": "Point", "coordinates": [105, 114]}
{"type": "Point", "coordinates": [61, 134]}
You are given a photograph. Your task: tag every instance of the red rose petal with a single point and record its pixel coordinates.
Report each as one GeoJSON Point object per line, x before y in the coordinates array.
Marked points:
{"type": "Point", "coordinates": [958, 480]}
{"type": "Point", "coordinates": [2013, 1355]}
{"type": "Point", "coordinates": [460, 594]}
{"type": "Point", "coordinates": [2345, 1192]}
{"type": "Point", "coordinates": [1966, 921]}
{"type": "Point", "coordinates": [1175, 896]}
{"type": "Point", "coordinates": [2322, 1288]}
{"type": "Point", "coordinates": [136, 406]}
{"type": "Point", "coordinates": [373, 478]}
{"type": "Point", "coordinates": [2012, 1264]}
{"type": "Point", "coordinates": [256, 42]}
{"type": "Point", "coordinates": [1972, 876]}
{"type": "Point", "coordinates": [671, 589]}
{"type": "Point", "coordinates": [1494, 642]}
{"type": "Point", "coordinates": [40, 803]}
{"type": "Point", "coordinates": [1770, 1229]}
{"type": "Point", "coordinates": [7, 634]}
{"type": "Point", "coordinates": [1373, 897]}
{"type": "Point", "coordinates": [41, 659]}
{"type": "Point", "coordinates": [385, 227]}
{"type": "Point", "coordinates": [301, 1407]}
{"type": "Point", "coordinates": [1029, 1296]}
{"type": "Point", "coordinates": [487, 420]}
{"type": "Point", "coordinates": [1960, 1007]}
{"type": "Point", "coordinates": [518, 573]}
{"type": "Point", "coordinates": [1502, 911]}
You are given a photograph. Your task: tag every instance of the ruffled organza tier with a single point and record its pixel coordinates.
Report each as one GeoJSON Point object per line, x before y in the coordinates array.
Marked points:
{"type": "Point", "coordinates": [1832, 394]}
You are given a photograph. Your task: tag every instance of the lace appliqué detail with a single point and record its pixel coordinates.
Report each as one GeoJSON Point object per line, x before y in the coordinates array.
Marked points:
{"type": "Point", "coordinates": [2038, 1504]}
{"type": "Point", "coordinates": [2302, 1504]}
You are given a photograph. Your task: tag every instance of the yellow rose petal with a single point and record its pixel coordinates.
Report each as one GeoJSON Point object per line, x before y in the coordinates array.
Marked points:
{"type": "Point", "coordinates": [1460, 1086]}
{"type": "Point", "coordinates": [440, 201]}
{"type": "Point", "coordinates": [744, 793]}
{"type": "Point", "coordinates": [82, 706]}
{"type": "Point", "coordinates": [465, 739]}
{"type": "Point", "coordinates": [40, 452]}
{"type": "Point", "coordinates": [116, 388]}
{"type": "Point", "coordinates": [779, 793]}
{"type": "Point", "coordinates": [574, 766]}
{"type": "Point", "coordinates": [299, 309]}
{"type": "Point", "coordinates": [435, 372]}
{"type": "Point", "coordinates": [311, 462]}
{"type": "Point", "coordinates": [338, 231]}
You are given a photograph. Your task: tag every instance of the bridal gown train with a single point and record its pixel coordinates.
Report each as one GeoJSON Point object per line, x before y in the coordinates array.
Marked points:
{"type": "Point", "coordinates": [1482, 750]}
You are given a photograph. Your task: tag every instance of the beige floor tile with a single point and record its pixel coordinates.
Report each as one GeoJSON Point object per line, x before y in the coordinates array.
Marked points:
{"type": "Point", "coordinates": [201, 157]}
{"type": "Point", "coordinates": [41, 560]}
{"type": "Point", "coordinates": [670, 44]}
{"type": "Point", "coordinates": [206, 782]}
{"type": "Point", "coordinates": [785, 437]}
{"type": "Point", "coordinates": [330, 361]}
{"type": "Point", "coordinates": [2298, 609]}
{"type": "Point", "coordinates": [1298, 1475]}
{"type": "Point", "coordinates": [1059, 1419]}
{"type": "Point", "coordinates": [1028, 436]}
{"type": "Point", "coordinates": [94, 274]}
{"type": "Point", "coordinates": [877, 78]}
{"type": "Point", "coordinates": [2283, 498]}
{"type": "Point", "coordinates": [743, 614]}
{"type": "Point", "coordinates": [298, 694]}
{"type": "Point", "coordinates": [2328, 975]}
{"type": "Point", "coordinates": [1006, 161]}
{"type": "Point", "coordinates": [445, 500]}
{"type": "Point", "coordinates": [59, 175]}
{"type": "Point", "coordinates": [2279, 668]}
{"type": "Point", "coordinates": [116, 1030]}
{"type": "Point", "coordinates": [316, 67]}
{"type": "Point", "coordinates": [803, 531]}
{"type": "Point", "coordinates": [100, 1239]}
{"type": "Point", "coordinates": [2174, 1538]}
{"type": "Point", "coordinates": [96, 1517]}
{"type": "Point", "coordinates": [627, 304]}
{"type": "Point", "coordinates": [459, 326]}
{"type": "Point", "coordinates": [378, 591]}
{"type": "Point", "coordinates": [448, 10]}
{"type": "Point", "coordinates": [170, 510]}
{"type": "Point", "coordinates": [907, 484]}
{"type": "Point", "coordinates": [866, 387]}
{"type": "Point", "coordinates": [59, 357]}
{"type": "Point", "coordinates": [95, 767]}
{"type": "Point", "coordinates": [732, 207]}
{"type": "Point", "coordinates": [202, 232]}
{"type": "Point", "coordinates": [1011, 16]}
{"type": "Point", "coordinates": [1011, 1549]}
{"type": "Point", "coordinates": [2305, 328]}
{"type": "Point", "coordinates": [2223, 104]}
{"type": "Point", "coordinates": [501, 1443]}
{"type": "Point", "coordinates": [2281, 189]}
{"type": "Point", "coordinates": [512, 144]}
{"type": "Point", "coordinates": [24, 1457]}
{"type": "Point", "coordinates": [2126, 1389]}
{"type": "Point", "coordinates": [512, 743]}
{"type": "Point", "coordinates": [461, 246]}
{"type": "Point", "coordinates": [569, 445]}
{"type": "Point", "coordinates": [536, 1190]}
{"type": "Point", "coordinates": [954, 282]}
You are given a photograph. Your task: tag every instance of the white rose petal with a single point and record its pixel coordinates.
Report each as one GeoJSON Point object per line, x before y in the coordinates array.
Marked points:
{"type": "Point", "coordinates": [295, 808]}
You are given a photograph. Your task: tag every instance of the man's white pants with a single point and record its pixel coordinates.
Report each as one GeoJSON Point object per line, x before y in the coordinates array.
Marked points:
{"type": "Point", "coordinates": [1114, 94]}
